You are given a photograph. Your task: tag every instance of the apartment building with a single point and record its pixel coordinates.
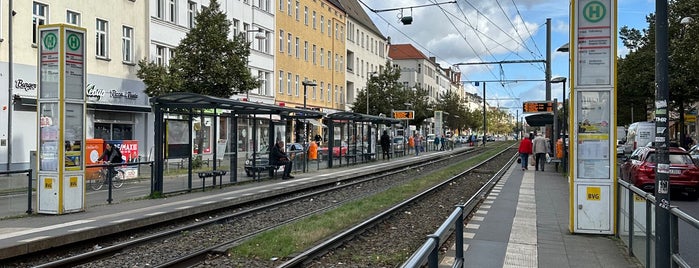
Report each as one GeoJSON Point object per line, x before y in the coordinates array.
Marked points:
{"type": "Point", "coordinates": [311, 47]}
{"type": "Point", "coordinates": [117, 108]}
{"type": "Point", "coordinates": [417, 70]}
{"type": "Point", "coordinates": [365, 50]}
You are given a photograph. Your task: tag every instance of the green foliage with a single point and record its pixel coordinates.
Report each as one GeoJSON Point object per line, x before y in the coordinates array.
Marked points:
{"type": "Point", "coordinates": [205, 62]}
{"type": "Point", "coordinates": [636, 71]}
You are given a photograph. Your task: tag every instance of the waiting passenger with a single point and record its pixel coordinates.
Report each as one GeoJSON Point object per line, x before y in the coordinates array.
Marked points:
{"type": "Point", "coordinates": [280, 158]}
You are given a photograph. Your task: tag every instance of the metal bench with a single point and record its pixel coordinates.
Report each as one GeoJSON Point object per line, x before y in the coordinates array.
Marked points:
{"type": "Point", "coordinates": [211, 174]}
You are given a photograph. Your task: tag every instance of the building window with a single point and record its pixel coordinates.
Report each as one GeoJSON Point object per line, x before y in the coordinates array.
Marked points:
{"type": "Point", "coordinates": [330, 60]}
{"type": "Point", "coordinates": [297, 10]}
{"type": "Point", "coordinates": [288, 84]}
{"type": "Point", "coordinates": [288, 44]}
{"type": "Point", "coordinates": [127, 44]}
{"type": "Point", "coordinates": [39, 17]}
{"type": "Point", "coordinates": [330, 26]}
{"type": "Point", "coordinates": [191, 13]}
{"type": "Point", "coordinates": [102, 35]}
{"type": "Point", "coordinates": [313, 92]}
{"type": "Point", "coordinates": [314, 19]}
{"type": "Point", "coordinates": [305, 50]}
{"type": "Point", "coordinates": [288, 9]}
{"type": "Point", "coordinates": [281, 5]}
{"type": "Point", "coordinates": [296, 86]}
{"type": "Point", "coordinates": [298, 52]}
{"type": "Point", "coordinates": [321, 57]}
{"type": "Point", "coordinates": [305, 15]}
{"type": "Point", "coordinates": [281, 82]}
{"type": "Point", "coordinates": [160, 55]}
{"type": "Point", "coordinates": [73, 18]}
{"type": "Point", "coordinates": [281, 41]}
{"type": "Point", "coordinates": [322, 20]}
{"type": "Point", "coordinates": [236, 27]}
{"type": "Point", "coordinates": [328, 93]}
{"type": "Point", "coordinates": [313, 52]}
{"type": "Point", "coordinates": [159, 12]}
{"type": "Point", "coordinates": [321, 91]}
{"type": "Point", "coordinates": [172, 10]}
{"type": "Point", "coordinates": [262, 76]}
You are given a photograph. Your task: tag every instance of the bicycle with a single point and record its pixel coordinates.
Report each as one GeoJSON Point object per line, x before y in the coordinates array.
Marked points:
{"type": "Point", "coordinates": [101, 180]}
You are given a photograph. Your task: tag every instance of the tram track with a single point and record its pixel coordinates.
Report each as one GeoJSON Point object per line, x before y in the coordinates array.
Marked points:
{"type": "Point", "coordinates": [127, 247]}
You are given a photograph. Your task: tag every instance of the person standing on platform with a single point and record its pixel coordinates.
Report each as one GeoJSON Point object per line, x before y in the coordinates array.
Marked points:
{"type": "Point", "coordinates": [418, 143]}
{"type": "Point", "coordinates": [313, 151]}
{"type": "Point", "coordinates": [386, 145]}
{"type": "Point", "coordinates": [411, 143]}
{"type": "Point", "coordinates": [540, 149]}
{"type": "Point", "coordinates": [318, 139]}
{"type": "Point", "coordinates": [525, 149]}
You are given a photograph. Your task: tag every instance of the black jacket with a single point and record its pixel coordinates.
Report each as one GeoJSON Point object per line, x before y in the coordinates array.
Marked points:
{"type": "Point", "coordinates": [276, 154]}
{"type": "Point", "coordinates": [385, 141]}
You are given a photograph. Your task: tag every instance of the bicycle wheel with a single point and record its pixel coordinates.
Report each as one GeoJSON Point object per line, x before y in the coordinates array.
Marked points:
{"type": "Point", "coordinates": [118, 179]}
{"type": "Point", "coordinates": [96, 183]}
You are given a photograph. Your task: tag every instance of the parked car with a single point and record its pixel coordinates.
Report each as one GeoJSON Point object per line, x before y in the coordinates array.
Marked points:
{"type": "Point", "coordinates": [639, 170]}
{"type": "Point", "coordinates": [430, 138]}
{"type": "Point", "coordinates": [339, 148]}
{"type": "Point", "coordinates": [619, 147]}
{"type": "Point", "coordinates": [490, 138]}
{"type": "Point", "coordinates": [295, 150]}
{"type": "Point", "coordinates": [399, 143]}
{"type": "Point", "coordinates": [462, 139]}
{"type": "Point", "coordinates": [694, 153]}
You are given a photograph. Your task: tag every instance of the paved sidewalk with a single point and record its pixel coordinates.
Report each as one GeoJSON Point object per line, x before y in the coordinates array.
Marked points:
{"type": "Point", "coordinates": [524, 223]}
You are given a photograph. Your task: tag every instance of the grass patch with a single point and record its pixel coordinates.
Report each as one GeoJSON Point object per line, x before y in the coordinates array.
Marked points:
{"type": "Point", "coordinates": [303, 234]}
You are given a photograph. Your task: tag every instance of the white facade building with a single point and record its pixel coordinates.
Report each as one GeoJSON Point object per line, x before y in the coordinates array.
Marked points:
{"type": "Point", "coordinates": [366, 50]}
{"type": "Point", "coordinates": [170, 20]}
{"type": "Point", "coordinates": [117, 108]}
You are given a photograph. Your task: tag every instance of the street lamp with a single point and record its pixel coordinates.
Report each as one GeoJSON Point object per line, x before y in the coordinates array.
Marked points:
{"type": "Point", "coordinates": [305, 84]}
{"type": "Point", "coordinates": [560, 79]}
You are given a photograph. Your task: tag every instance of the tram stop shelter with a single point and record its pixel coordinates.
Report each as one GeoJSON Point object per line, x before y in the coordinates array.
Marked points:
{"type": "Point", "coordinates": [190, 105]}
{"type": "Point", "coordinates": [361, 136]}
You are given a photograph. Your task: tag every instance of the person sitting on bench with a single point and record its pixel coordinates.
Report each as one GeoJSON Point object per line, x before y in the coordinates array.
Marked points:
{"type": "Point", "coordinates": [280, 158]}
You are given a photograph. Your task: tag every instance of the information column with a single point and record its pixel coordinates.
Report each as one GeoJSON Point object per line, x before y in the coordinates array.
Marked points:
{"type": "Point", "coordinates": [593, 121]}
{"type": "Point", "coordinates": [61, 119]}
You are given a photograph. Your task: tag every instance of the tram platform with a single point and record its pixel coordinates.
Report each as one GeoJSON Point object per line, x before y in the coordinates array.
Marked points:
{"type": "Point", "coordinates": [524, 223]}
{"type": "Point", "coordinates": [25, 234]}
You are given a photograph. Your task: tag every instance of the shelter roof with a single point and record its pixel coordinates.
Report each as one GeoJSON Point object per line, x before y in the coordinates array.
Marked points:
{"type": "Point", "coordinates": [357, 117]}
{"type": "Point", "coordinates": [187, 100]}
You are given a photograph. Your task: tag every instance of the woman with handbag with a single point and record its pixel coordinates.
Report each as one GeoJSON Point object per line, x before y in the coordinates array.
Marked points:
{"type": "Point", "coordinates": [280, 158]}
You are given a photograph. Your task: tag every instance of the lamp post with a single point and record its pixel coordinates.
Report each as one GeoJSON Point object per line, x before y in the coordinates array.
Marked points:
{"type": "Point", "coordinates": [560, 79]}
{"type": "Point", "coordinates": [305, 84]}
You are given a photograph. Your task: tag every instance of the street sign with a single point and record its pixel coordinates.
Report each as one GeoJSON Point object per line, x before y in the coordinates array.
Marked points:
{"type": "Point", "coordinates": [537, 106]}
{"type": "Point", "coordinates": [405, 114]}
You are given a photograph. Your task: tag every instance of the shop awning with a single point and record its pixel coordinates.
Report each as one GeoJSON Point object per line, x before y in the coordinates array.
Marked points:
{"type": "Point", "coordinates": [314, 122]}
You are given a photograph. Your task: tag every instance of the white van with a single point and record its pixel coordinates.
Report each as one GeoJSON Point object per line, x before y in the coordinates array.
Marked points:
{"type": "Point", "coordinates": [638, 135]}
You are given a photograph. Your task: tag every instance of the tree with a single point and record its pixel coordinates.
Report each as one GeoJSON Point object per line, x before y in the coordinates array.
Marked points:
{"type": "Point", "coordinates": [205, 62]}
{"type": "Point", "coordinates": [636, 79]}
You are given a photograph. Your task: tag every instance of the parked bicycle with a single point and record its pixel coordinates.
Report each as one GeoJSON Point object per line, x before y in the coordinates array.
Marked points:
{"type": "Point", "coordinates": [101, 180]}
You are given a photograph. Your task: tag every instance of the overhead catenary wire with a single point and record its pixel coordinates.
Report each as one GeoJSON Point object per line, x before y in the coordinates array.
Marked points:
{"type": "Point", "coordinates": [514, 27]}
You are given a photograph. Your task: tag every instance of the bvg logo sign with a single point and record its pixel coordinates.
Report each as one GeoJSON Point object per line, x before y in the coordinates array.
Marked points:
{"type": "Point", "coordinates": [594, 11]}
{"type": "Point", "coordinates": [50, 41]}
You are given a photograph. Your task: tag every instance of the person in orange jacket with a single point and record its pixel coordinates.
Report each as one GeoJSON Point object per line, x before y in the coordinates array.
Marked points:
{"type": "Point", "coordinates": [313, 151]}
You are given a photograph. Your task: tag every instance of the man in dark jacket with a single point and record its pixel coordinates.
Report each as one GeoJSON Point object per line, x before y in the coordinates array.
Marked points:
{"type": "Point", "coordinates": [386, 145]}
{"type": "Point", "coordinates": [278, 157]}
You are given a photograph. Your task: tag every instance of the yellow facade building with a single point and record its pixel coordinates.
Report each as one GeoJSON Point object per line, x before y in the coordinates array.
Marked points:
{"type": "Point", "coordinates": [311, 47]}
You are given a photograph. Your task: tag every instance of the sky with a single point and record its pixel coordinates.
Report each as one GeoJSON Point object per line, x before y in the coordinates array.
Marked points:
{"type": "Point", "coordinates": [493, 31]}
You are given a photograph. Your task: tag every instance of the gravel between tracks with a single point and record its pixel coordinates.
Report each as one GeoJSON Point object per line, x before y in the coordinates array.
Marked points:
{"type": "Point", "coordinates": [401, 235]}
